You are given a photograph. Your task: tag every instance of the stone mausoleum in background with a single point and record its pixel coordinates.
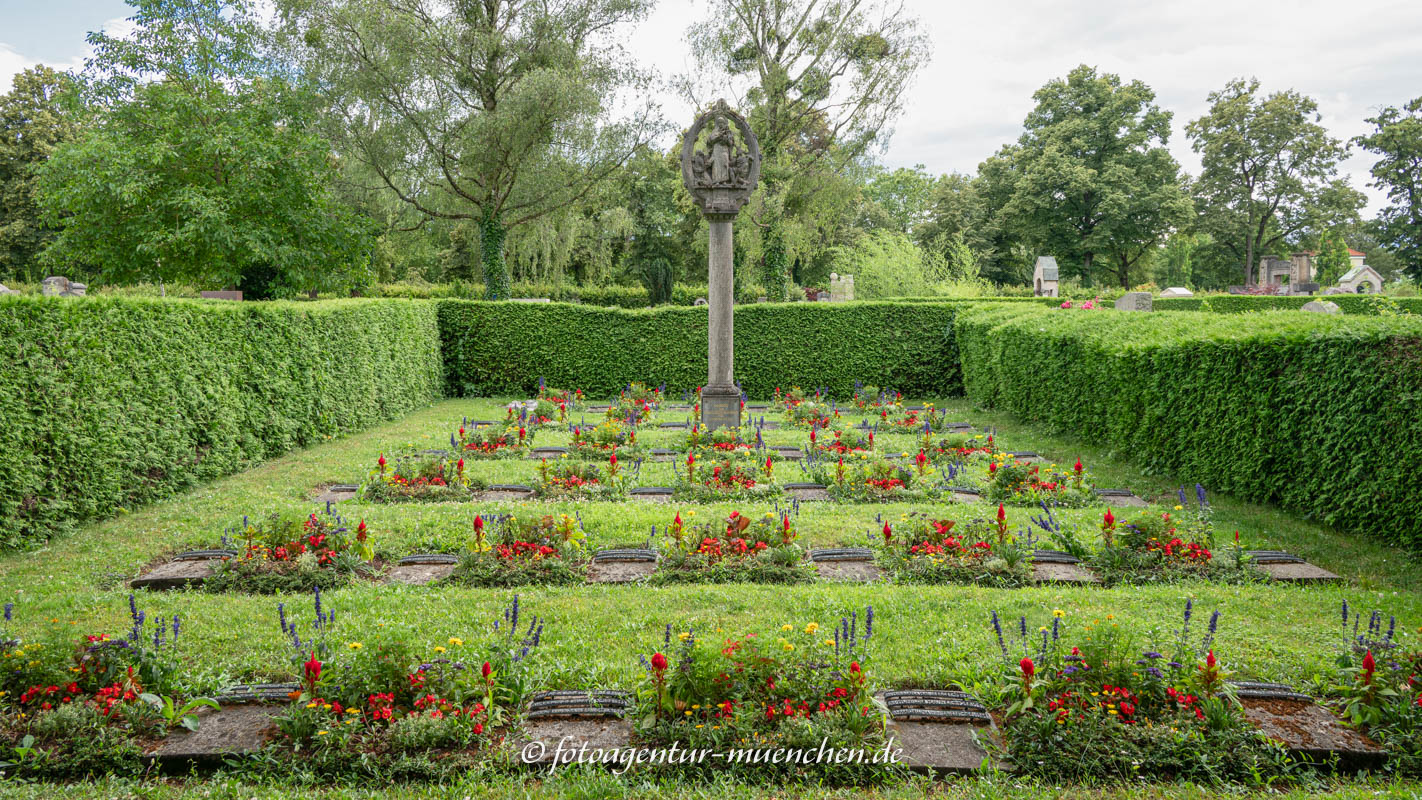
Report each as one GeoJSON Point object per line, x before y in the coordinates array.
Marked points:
{"type": "Point", "coordinates": [1298, 270]}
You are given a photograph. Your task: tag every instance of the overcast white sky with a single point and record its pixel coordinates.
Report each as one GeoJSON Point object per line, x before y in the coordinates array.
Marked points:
{"type": "Point", "coordinates": [1353, 57]}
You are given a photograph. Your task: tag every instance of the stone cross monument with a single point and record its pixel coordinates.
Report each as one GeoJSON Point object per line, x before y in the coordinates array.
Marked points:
{"type": "Point", "coordinates": [720, 171]}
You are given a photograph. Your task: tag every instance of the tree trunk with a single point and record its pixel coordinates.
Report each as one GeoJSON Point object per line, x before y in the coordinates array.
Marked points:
{"type": "Point", "coordinates": [773, 265]}
{"type": "Point", "coordinates": [491, 245]}
{"type": "Point", "coordinates": [1086, 261]}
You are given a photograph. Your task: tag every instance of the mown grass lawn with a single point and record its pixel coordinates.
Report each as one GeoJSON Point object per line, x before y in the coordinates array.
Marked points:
{"type": "Point", "coordinates": [924, 635]}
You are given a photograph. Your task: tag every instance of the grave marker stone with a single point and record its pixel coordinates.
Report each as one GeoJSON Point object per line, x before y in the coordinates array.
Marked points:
{"type": "Point", "coordinates": [1134, 301]}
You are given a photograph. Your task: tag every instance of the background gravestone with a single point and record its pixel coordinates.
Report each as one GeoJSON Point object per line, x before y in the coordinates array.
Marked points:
{"type": "Point", "coordinates": [1134, 301]}
{"type": "Point", "coordinates": [1322, 307]}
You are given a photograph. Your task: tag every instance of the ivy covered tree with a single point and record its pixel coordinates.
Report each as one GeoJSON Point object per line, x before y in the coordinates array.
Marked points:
{"type": "Point", "coordinates": [35, 118]}
{"type": "Point", "coordinates": [1332, 260]}
{"type": "Point", "coordinates": [495, 112]}
{"type": "Point", "coordinates": [198, 163]}
{"type": "Point", "coordinates": [1397, 140]}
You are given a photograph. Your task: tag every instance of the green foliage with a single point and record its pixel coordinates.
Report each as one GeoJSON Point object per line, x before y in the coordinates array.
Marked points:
{"type": "Point", "coordinates": [1397, 138]}
{"type": "Point", "coordinates": [111, 402]}
{"type": "Point", "coordinates": [884, 264]}
{"type": "Point", "coordinates": [199, 165]}
{"type": "Point", "coordinates": [1094, 182]}
{"type": "Point", "coordinates": [1332, 260]}
{"type": "Point", "coordinates": [1244, 303]}
{"type": "Point", "coordinates": [33, 121]}
{"type": "Point", "coordinates": [1294, 409]}
{"type": "Point", "coordinates": [1268, 172]}
{"type": "Point", "coordinates": [489, 349]}
{"type": "Point", "coordinates": [491, 249]}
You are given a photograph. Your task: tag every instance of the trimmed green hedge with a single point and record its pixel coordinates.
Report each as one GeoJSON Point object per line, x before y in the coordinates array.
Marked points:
{"type": "Point", "coordinates": [504, 348]}
{"type": "Point", "coordinates": [110, 402]}
{"type": "Point", "coordinates": [683, 294]}
{"type": "Point", "coordinates": [1317, 413]}
{"type": "Point", "coordinates": [1241, 303]}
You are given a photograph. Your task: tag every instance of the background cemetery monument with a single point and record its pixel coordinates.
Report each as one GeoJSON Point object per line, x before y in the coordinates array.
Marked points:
{"type": "Point", "coordinates": [720, 173]}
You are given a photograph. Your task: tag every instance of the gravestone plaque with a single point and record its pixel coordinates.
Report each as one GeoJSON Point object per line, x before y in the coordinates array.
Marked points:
{"type": "Point", "coordinates": [964, 494]}
{"type": "Point", "coordinates": [235, 730]}
{"type": "Point", "coordinates": [1311, 731]}
{"type": "Point", "coordinates": [652, 494]}
{"type": "Point", "coordinates": [222, 295]}
{"type": "Point", "coordinates": [1134, 301]}
{"type": "Point", "coordinates": [1121, 497]}
{"type": "Point", "coordinates": [176, 574]}
{"type": "Point", "coordinates": [1322, 307]}
{"type": "Point", "coordinates": [573, 720]}
{"type": "Point", "coordinates": [846, 564]}
{"type": "Point", "coordinates": [337, 492]}
{"type": "Point", "coordinates": [938, 731]}
{"type": "Point", "coordinates": [621, 566]}
{"type": "Point", "coordinates": [422, 569]}
{"type": "Point", "coordinates": [806, 491]}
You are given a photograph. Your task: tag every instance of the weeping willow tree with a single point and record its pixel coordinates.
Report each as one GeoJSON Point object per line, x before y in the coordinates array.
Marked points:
{"type": "Point", "coordinates": [819, 83]}
{"type": "Point", "coordinates": [493, 112]}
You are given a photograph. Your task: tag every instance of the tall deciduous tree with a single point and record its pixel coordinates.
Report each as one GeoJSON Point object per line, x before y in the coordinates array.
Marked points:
{"type": "Point", "coordinates": [820, 80]}
{"type": "Point", "coordinates": [33, 121]}
{"type": "Point", "coordinates": [1094, 179]}
{"type": "Point", "coordinates": [1397, 139]}
{"type": "Point", "coordinates": [200, 164]}
{"type": "Point", "coordinates": [1268, 171]}
{"type": "Point", "coordinates": [494, 111]}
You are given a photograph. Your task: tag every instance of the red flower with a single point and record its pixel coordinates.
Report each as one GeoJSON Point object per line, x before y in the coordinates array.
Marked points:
{"type": "Point", "coordinates": [1109, 519]}
{"type": "Point", "coordinates": [659, 662]}
{"type": "Point", "coordinates": [360, 531]}
{"type": "Point", "coordinates": [312, 670]}
{"type": "Point", "coordinates": [1369, 666]}
{"type": "Point", "coordinates": [1001, 513]}
{"type": "Point", "coordinates": [486, 669]}
{"type": "Point", "coordinates": [1210, 660]}
{"type": "Point", "coordinates": [1028, 668]}
{"type": "Point", "coordinates": [854, 666]}
{"type": "Point", "coordinates": [478, 728]}
{"type": "Point", "coordinates": [888, 533]}
{"type": "Point", "coordinates": [381, 462]}
{"type": "Point", "coordinates": [612, 460]}
{"type": "Point", "coordinates": [992, 468]}
{"type": "Point", "coordinates": [461, 466]}
{"type": "Point", "coordinates": [1077, 467]}
{"type": "Point", "coordinates": [478, 523]}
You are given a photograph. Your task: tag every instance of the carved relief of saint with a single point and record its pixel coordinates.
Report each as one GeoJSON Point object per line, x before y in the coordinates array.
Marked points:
{"type": "Point", "coordinates": [722, 145]}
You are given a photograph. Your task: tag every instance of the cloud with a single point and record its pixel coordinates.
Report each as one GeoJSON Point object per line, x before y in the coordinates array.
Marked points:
{"type": "Point", "coordinates": [13, 62]}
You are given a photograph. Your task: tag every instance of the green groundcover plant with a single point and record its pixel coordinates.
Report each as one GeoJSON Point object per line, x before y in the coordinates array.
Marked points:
{"type": "Point", "coordinates": [747, 548]}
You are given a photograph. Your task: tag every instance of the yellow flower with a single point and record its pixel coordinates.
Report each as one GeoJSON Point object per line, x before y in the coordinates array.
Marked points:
{"type": "Point", "coordinates": [787, 627]}
{"type": "Point", "coordinates": [354, 645]}
{"type": "Point", "coordinates": [789, 647]}
{"type": "Point", "coordinates": [828, 643]}
{"type": "Point", "coordinates": [311, 704]}
{"type": "Point", "coordinates": [455, 640]}
{"type": "Point", "coordinates": [1180, 508]}
{"type": "Point", "coordinates": [320, 733]}
{"type": "Point", "coordinates": [326, 707]}
{"type": "Point", "coordinates": [812, 627]}
{"type": "Point", "coordinates": [1058, 613]}
{"type": "Point", "coordinates": [352, 711]}
{"type": "Point", "coordinates": [439, 649]}
{"type": "Point", "coordinates": [684, 636]}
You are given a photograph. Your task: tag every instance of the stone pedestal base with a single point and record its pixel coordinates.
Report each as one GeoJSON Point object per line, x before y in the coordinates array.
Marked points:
{"type": "Point", "coordinates": [720, 407]}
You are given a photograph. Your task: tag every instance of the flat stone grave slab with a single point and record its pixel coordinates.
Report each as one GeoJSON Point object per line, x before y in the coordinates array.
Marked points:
{"type": "Point", "coordinates": [1121, 497]}
{"type": "Point", "coordinates": [506, 491]}
{"type": "Point", "coordinates": [806, 491]}
{"type": "Point", "coordinates": [232, 730]}
{"type": "Point", "coordinates": [963, 494]}
{"type": "Point", "coordinates": [1306, 728]}
{"type": "Point", "coordinates": [757, 407]}
{"type": "Point", "coordinates": [337, 492]}
{"type": "Point", "coordinates": [422, 568]}
{"type": "Point", "coordinates": [1289, 568]}
{"type": "Point", "coordinates": [1028, 456]}
{"type": "Point", "coordinates": [540, 453]}
{"type": "Point", "coordinates": [764, 424]}
{"type": "Point", "coordinates": [184, 569]}
{"type": "Point", "coordinates": [621, 566]}
{"type": "Point", "coordinates": [790, 453]}
{"type": "Point", "coordinates": [585, 719]}
{"type": "Point", "coordinates": [602, 409]}
{"type": "Point", "coordinates": [665, 454]}
{"type": "Point", "coordinates": [848, 564]}
{"type": "Point", "coordinates": [1054, 566]}
{"type": "Point", "coordinates": [651, 494]}
{"type": "Point", "coordinates": [939, 731]}
{"type": "Point", "coordinates": [257, 693]}
{"type": "Point", "coordinates": [681, 426]}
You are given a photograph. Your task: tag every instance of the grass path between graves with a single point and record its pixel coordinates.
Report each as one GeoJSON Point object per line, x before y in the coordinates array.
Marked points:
{"type": "Point", "coordinates": [594, 634]}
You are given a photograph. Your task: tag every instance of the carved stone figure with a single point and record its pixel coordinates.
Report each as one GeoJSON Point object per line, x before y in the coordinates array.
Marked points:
{"type": "Point", "coordinates": [722, 172]}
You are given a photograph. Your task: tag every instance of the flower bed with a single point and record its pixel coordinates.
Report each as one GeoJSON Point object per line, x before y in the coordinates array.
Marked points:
{"type": "Point", "coordinates": [922, 549]}
{"type": "Point", "coordinates": [636, 404]}
{"type": "Point", "coordinates": [872, 479]}
{"type": "Point", "coordinates": [1109, 707]}
{"type": "Point", "coordinates": [1376, 685]}
{"type": "Point", "coordinates": [795, 686]}
{"type": "Point", "coordinates": [1019, 483]}
{"type": "Point", "coordinates": [569, 399]}
{"type": "Point", "coordinates": [868, 397]}
{"type": "Point", "coordinates": [377, 697]}
{"type": "Point", "coordinates": [740, 548]}
{"type": "Point", "coordinates": [811, 414]}
{"type": "Point", "coordinates": [512, 551]}
{"type": "Point", "coordinates": [541, 412]}
{"type": "Point", "coordinates": [725, 478]}
{"type": "Point", "coordinates": [419, 478]}
{"type": "Point", "coordinates": [286, 552]}
{"type": "Point", "coordinates": [490, 442]}
{"type": "Point", "coordinates": [1152, 546]}
{"type": "Point", "coordinates": [839, 443]}
{"type": "Point", "coordinates": [605, 439]}
{"type": "Point", "coordinates": [95, 708]}
{"type": "Point", "coordinates": [722, 441]}
{"type": "Point", "coordinates": [567, 479]}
